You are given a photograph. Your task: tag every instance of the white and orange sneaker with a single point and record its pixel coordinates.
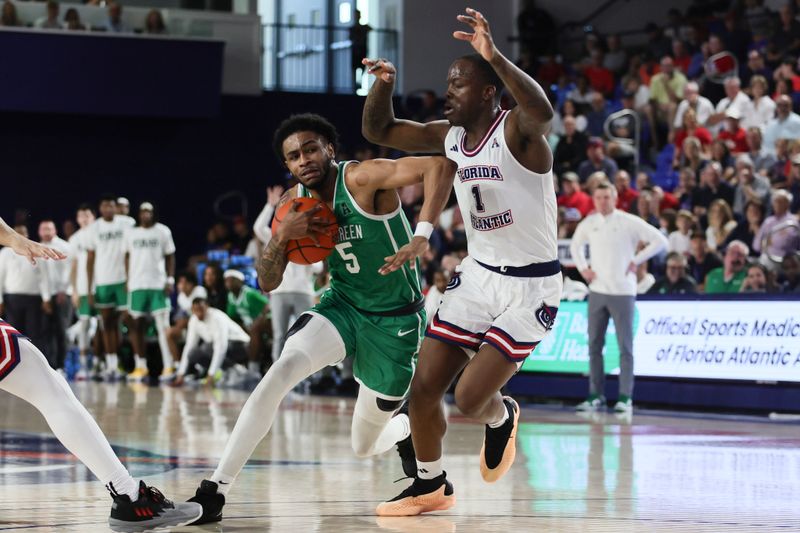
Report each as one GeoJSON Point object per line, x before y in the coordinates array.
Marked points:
{"type": "Point", "coordinates": [499, 445]}
{"type": "Point", "coordinates": [423, 496]}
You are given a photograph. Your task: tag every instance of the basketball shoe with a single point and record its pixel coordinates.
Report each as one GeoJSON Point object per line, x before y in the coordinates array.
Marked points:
{"type": "Point", "coordinates": [499, 445]}
{"type": "Point", "coordinates": [423, 496]}
{"type": "Point", "coordinates": [150, 511]}
{"type": "Point", "coordinates": [211, 501]}
{"type": "Point", "coordinates": [405, 448]}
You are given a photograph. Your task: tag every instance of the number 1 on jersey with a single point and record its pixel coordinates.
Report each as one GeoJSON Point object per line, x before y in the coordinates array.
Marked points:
{"type": "Point", "coordinates": [351, 261]}
{"type": "Point", "coordinates": [476, 192]}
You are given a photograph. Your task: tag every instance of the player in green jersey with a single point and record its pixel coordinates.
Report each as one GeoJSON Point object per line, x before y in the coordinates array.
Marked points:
{"type": "Point", "coordinates": [377, 319]}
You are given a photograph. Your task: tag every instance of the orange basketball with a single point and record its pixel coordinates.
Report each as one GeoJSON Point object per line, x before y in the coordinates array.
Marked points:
{"type": "Point", "coordinates": [304, 251]}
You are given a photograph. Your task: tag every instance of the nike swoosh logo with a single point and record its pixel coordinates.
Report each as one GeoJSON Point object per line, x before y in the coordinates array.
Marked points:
{"type": "Point", "coordinates": [402, 333]}
{"type": "Point", "coordinates": [223, 483]}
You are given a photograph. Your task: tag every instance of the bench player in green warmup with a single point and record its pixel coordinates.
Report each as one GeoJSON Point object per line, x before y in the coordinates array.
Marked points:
{"type": "Point", "coordinates": [374, 309]}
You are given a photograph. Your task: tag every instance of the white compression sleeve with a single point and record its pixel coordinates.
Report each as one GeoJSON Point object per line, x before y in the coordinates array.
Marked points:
{"type": "Point", "coordinates": [375, 430]}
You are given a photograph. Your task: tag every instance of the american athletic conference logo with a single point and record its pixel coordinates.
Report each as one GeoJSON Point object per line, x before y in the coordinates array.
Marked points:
{"type": "Point", "coordinates": [546, 315]}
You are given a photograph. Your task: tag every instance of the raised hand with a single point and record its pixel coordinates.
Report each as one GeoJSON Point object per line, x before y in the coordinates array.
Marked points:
{"type": "Point", "coordinates": [274, 195]}
{"type": "Point", "coordinates": [481, 38]}
{"type": "Point", "coordinates": [381, 68]}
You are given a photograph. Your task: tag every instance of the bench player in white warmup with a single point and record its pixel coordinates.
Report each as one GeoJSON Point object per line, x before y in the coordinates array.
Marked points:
{"type": "Point", "coordinates": [505, 298]}
{"type": "Point", "coordinates": [25, 373]}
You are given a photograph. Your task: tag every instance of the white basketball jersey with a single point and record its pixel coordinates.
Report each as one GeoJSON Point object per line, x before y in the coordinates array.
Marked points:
{"type": "Point", "coordinates": [509, 212]}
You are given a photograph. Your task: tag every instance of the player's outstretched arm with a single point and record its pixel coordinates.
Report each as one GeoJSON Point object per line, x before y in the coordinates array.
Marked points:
{"type": "Point", "coordinates": [26, 247]}
{"type": "Point", "coordinates": [533, 112]}
{"type": "Point", "coordinates": [379, 125]}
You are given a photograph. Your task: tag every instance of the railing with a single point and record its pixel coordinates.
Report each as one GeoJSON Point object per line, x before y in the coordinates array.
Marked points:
{"type": "Point", "coordinates": [318, 58]}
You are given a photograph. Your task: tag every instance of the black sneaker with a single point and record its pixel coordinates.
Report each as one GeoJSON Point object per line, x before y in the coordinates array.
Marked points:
{"type": "Point", "coordinates": [211, 501]}
{"type": "Point", "coordinates": [405, 448]}
{"type": "Point", "coordinates": [152, 510]}
{"type": "Point", "coordinates": [499, 448]}
{"type": "Point", "coordinates": [423, 496]}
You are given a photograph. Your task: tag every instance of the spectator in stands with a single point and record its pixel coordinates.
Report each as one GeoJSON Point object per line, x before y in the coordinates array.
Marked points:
{"type": "Point", "coordinates": [675, 281]}
{"type": "Point", "coordinates": [597, 115]}
{"type": "Point", "coordinates": [758, 279]}
{"type": "Point", "coordinates": [756, 67]}
{"type": "Point", "coordinates": [657, 44]}
{"type": "Point", "coordinates": [734, 98]}
{"type": "Point", "coordinates": [762, 107]}
{"type": "Point", "coordinates": [218, 237]}
{"type": "Point", "coordinates": [596, 161]}
{"type": "Point", "coordinates": [732, 133]}
{"type": "Point", "coordinates": [72, 20]}
{"type": "Point", "coordinates": [571, 148]}
{"type": "Point", "coordinates": [792, 184]}
{"type": "Point", "coordinates": [666, 88]}
{"type": "Point", "coordinates": [573, 196]}
{"type": "Point", "coordinates": [729, 277]}
{"type": "Point", "coordinates": [702, 106]}
{"type": "Point", "coordinates": [720, 224]}
{"type": "Point", "coordinates": [115, 24]}
{"type": "Point", "coordinates": [582, 94]}
{"type": "Point", "coordinates": [9, 17]}
{"type": "Point", "coordinates": [616, 58]}
{"type": "Point", "coordinates": [570, 109]}
{"type": "Point", "coordinates": [786, 36]}
{"type": "Point", "coordinates": [667, 222]}
{"type": "Point", "coordinates": [749, 185]}
{"type": "Point", "coordinates": [626, 195]}
{"type": "Point", "coordinates": [680, 56]}
{"type": "Point", "coordinates": [747, 229]}
{"type": "Point", "coordinates": [722, 155]}
{"type": "Point", "coordinates": [762, 161]}
{"type": "Point", "coordinates": [778, 243]}
{"type": "Point", "coordinates": [778, 173]}
{"type": "Point", "coordinates": [644, 279]}
{"type": "Point", "coordinates": [687, 183]}
{"type": "Point", "coordinates": [680, 239]}
{"type": "Point", "coordinates": [690, 128]}
{"type": "Point", "coordinates": [570, 221]}
{"type": "Point", "coordinates": [50, 20]}
{"type": "Point", "coordinates": [785, 125]}
{"type": "Point", "coordinates": [644, 208]}
{"type": "Point", "coordinates": [701, 260]}
{"type": "Point", "coordinates": [641, 92]}
{"type": "Point", "coordinates": [758, 17]}
{"type": "Point", "coordinates": [600, 78]}
{"type": "Point", "coordinates": [693, 157]}
{"type": "Point", "coordinates": [786, 72]}
{"type": "Point", "coordinates": [154, 23]}
{"type": "Point", "coordinates": [790, 273]}
{"type": "Point", "coordinates": [242, 234]}
{"type": "Point", "coordinates": [712, 186]}
{"type": "Point", "coordinates": [215, 286]}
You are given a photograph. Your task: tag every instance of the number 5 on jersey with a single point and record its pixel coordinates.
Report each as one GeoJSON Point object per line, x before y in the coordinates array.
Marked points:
{"type": "Point", "coordinates": [351, 261]}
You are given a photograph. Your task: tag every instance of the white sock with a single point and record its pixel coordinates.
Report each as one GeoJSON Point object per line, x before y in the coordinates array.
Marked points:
{"type": "Point", "coordinates": [112, 363]}
{"type": "Point", "coordinates": [253, 366]}
{"type": "Point", "coordinates": [141, 362]}
{"type": "Point", "coordinates": [122, 482]}
{"type": "Point", "coordinates": [500, 421]}
{"type": "Point", "coordinates": [84, 363]}
{"type": "Point", "coordinates": [223, 482]}
{"type": "Point", "coordinates": [162, 324]}
{"type": "Point", "coordinates": [429, 470]}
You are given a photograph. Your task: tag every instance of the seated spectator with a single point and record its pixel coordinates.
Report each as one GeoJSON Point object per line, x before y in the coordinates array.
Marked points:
{"type": "Point", "coordinates": [722, 155]}
{"type": "Point", "coordinates": [154, 24]}
{"type": "Point", "coordinates": [641, 93]}
{"type": "Point", "coordinates": [600, 78]}
{"type": "Point", "coordinates": [720, 224]}
{"type": "Point", "coordinates": [772, 243]}
{"type": "Point", "coordinates": [626, 195]}
{"type": "Point", "coordinates": [675, 281]}
{"type": "Point", "coordinates": [693, 157]}
{"type": "Point", "coordinates": [734, 98]}
{"type": "Point", "coordinates": [690, 128]}
{"type": "Point", "coordinates": [667, 222]}
{"type": "Point", "coordinates": [687, 183]}
{"type": "Point", "coordinates": [758, 279]}
{"type": "Point", "coordinates": [756, 67]}
{"type": "Point", "coordinates": [680, 239]}
{"type": "Point", "coordinates": [762, 161]}
{"type": "Point", "coordinates": [662, 199]}
{"type": "Point", "coordinates": [115, 24]}
{"type": "Point", "coordinates": [72, 20]}
{"type": "Point", "coordinates": [790, 273]}
{"type": "Point", "coordinates": [573, 196]}
{"type": "Point", "coordinates": [570, 222]}
{"type": "Point", "coordinates": [747, 229]}
{"type": "Point", "coordinates": [702, 106]}
{"type": "Point", "coordinates": [749, 185]}
{"type": "Point", "coordinates": [729, 277]}
{"type": "Point", "coordinates": [9, 16]}
{"type": "Point", "coordinates": [666, 89]}
{"type": "Point", "coordinates": [711, 187]}
{"type": "Point", "coordinates": [701, 260]}
{"type": "Point", "coordinates": [786, 72]}
{"type": "Point", "coordinates": [596, 161]}
{"type": "Point", "coordinates": [762, 107]}
{"type": "Point", "coordinates": [785, 125]}
{"type": "Point", "coordinates": [214, 285]}
{"type": "Point", "coordinates": [597, 115]}
{"type": "Point", "coordinates": [242, 234]}
{"type": "Point", "coordinates": [582, 94]}
{"type": "Point", "coordinates": [680, 56]}
{"type": "Point", "coordinates": [644, 279]}
{"type": "Point", "coordinates": [778, 174]}
{"type": "Point", "coordinates": [792, 184]}
{"type": "Point", "coordinates": [570, 109]}
{"type": "Point", "coordinates": [644, 209]}
{"type": "Point", "coordinates": [616, 58]}
{"type": "Point", "coordinates": [49, 21]}
{"type": "Point", "coordinates": [549, 70]}
{"type": "Point", "coordinates": [571, 148]}
{"type": "Point", "coordinates": [732, 133]}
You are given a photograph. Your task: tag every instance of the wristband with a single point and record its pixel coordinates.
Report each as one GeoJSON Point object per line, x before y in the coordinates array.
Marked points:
{"type": "Point", "coordinates": [424, 229]}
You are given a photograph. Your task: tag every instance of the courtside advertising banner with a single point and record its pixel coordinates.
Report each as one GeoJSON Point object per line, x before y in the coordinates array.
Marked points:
{"type": "Point", "coordinates": [694, 339]}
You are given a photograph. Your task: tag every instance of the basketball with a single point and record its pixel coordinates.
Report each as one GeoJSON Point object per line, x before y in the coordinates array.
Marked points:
{"type": "Point", "coordinates": [304, 251]}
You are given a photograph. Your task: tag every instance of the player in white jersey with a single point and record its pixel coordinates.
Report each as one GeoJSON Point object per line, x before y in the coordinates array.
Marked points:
{"type": "Point", "coordinates": [79, 242]}
{"type": "Point", "coordinates": [25, 373]}
{"type": "Point", "coordinates": [504, 299]}
{"type": "Point", "coordinates": [150, 267]}
{"type": "Point", "coordinates": [105, 267]}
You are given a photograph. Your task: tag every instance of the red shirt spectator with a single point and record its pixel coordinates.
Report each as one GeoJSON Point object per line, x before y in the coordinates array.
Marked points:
{"type": "Point", "coordinates": [702, 134]}
{"type": "Point", "coordinates": [626, 195]}
{"type": "Point", "coordinates": [733, 134]}
{"type": "Point", "coordinates": [573, 195]}
{"type": "Point", "coordinates": [600, 78]}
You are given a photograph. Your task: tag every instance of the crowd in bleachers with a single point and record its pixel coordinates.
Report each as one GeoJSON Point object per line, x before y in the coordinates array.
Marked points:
{"type": "Point", "coordinates": [71, 20]}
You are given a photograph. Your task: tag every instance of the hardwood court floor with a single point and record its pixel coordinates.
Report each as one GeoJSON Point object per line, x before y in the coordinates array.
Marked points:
{"type": "Point", "coordinates": [653, 473]}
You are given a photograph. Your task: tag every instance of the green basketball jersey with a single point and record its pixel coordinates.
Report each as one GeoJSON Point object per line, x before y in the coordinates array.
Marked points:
{"type": "Point", "coordinates": [361, 245]}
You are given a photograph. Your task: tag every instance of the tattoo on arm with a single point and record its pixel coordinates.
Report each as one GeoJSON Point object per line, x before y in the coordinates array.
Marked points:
{"type": "Point", "coordinates": [378, 112]}
{"type": "Point", "coordinates": [271, 265]}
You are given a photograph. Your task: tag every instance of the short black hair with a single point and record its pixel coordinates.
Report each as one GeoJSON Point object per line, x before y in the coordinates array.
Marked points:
{"type": "Point", "coordinates": [199, 299]}
{"type": "Point", "coordinates": [86, 206]}
{"type": "Point", "coordinates": [485, 71]}
{"type": "Point", "coordinates": [108, 197]}
{"type": "Point", "coordinates": [188, 276]}
{"type": "Point", "coordinates": [304, 122]}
